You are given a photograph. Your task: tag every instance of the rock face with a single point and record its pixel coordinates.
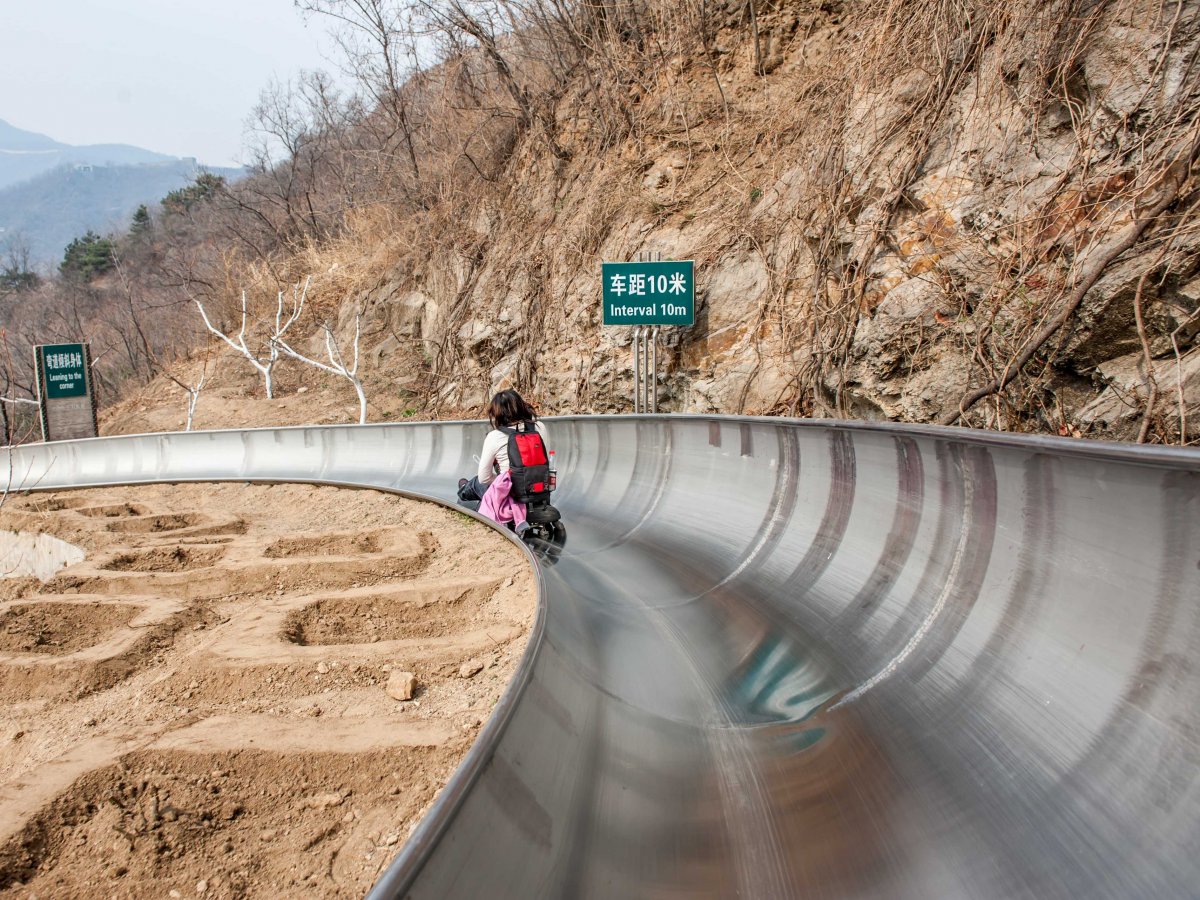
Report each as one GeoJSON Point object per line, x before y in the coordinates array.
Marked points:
{"type": "Point", "coordinates": [1119, 409]}
{"type": "Point", "coordinates": [883, 214]}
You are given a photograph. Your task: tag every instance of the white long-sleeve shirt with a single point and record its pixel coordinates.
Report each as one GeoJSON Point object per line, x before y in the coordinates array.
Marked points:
{"type": "Point", "coordinates": [495, 450]}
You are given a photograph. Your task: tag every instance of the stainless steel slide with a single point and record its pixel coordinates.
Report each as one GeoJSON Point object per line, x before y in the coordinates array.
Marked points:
{"type": "Point", "coordinates": [812, 659]}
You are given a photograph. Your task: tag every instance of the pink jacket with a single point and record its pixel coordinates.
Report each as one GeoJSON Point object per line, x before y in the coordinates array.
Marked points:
{"type": "Point", "coordinates": [498, 503]}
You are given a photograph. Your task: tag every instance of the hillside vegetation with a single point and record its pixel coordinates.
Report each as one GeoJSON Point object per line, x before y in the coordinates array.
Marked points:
{"type": "Point", "coordinates": [920, 210]}
{"type": "Point", "coordinates": [45, 213]}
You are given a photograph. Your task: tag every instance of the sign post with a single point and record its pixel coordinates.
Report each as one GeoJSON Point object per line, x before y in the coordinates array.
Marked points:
{"type": "Point", "coordinates": [65, 391]}
{"type": "Point", "coordinates": [647, 295]}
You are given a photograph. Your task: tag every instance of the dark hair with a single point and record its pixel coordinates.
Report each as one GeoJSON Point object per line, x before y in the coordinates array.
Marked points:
{"type": "Point", "coordinates": [507, 409]}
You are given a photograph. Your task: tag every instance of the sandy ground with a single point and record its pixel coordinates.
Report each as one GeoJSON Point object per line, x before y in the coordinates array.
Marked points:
{"type": "Point", "coordinates": [200, 706]}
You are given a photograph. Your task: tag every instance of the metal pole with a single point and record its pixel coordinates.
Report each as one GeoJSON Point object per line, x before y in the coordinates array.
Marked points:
{"type": "Point", "coordinates": [637, 385]}
{"type": "Point", "coordinates": [654, 369]}
{"type": "Point", "coordinates": [637, 369]}
{"type": "Point", "coordinates": [646, 369]}
{"type": "Point", "coordinates": [652, 386]}
{"type": "Point", "coordinates": [639, 377]}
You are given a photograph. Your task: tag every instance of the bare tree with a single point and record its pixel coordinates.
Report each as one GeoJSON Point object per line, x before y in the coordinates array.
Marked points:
{"type": "Point", "coordinates": [265, 358]}
{"type": "Point", "coordinates": [9, 436]}
{"type": "Point", "coordinates": [14, 410]}
{"type": "Point", "coordinates": [379, 46]}
{"type": "Point", "coordinates": [16, 270]}
{"type": "Point", "coordinates": [305, 171]}
{"type": "Point", "coordinates": [193, 388]}
{"type": "Point", "coordinates": [337, 362]}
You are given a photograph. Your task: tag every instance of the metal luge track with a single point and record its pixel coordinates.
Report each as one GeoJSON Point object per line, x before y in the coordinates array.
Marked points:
{"type": "Point", "coordinates": [812, 659]}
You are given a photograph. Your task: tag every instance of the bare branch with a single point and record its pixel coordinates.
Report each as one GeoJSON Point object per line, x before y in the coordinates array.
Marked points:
{"type": "Point", "coordinates": [264, 366]}
{"type": "Point", "coordinates": [336, 365]}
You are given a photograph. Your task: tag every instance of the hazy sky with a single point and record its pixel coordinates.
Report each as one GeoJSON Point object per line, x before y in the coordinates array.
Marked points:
{"type": "Point", "coordinates": [174, 77]}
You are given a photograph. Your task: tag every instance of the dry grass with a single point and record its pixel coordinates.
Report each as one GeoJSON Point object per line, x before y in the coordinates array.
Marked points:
{"type": "Point", "coordinates": [839, 146]}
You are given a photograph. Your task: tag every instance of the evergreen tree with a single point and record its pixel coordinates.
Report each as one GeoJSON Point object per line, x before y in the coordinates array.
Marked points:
{"type": "Point", "coordinates": [204, 188]}
{"type": "Point", "coordinates": [88, 256]}
{"type": "Point", "coordinates": [140, 226]}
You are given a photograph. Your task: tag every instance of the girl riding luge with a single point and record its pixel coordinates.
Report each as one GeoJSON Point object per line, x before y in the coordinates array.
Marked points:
{"type": "Point", "coordinates": [516, 477]}
{"type": "Point", "coordinates": [516, 471]}
{"type": "Point", "coordinates": [507, 410]}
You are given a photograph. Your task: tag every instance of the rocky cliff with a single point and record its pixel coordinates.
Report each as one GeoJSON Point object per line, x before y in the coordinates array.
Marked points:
{"type": "Point", "coordinates": [919, 210]}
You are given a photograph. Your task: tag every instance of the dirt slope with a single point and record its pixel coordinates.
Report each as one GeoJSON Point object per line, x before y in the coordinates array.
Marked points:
{"type": "Point", "coordinates": [201, 705]}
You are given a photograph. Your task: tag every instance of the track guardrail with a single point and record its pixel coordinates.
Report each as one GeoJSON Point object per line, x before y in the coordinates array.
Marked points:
{"type": "Point", "coordinates": [789, 658]}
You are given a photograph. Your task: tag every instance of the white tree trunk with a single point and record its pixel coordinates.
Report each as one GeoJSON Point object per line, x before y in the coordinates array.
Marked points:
{"type": "Point", "coordinates": [362, 401]}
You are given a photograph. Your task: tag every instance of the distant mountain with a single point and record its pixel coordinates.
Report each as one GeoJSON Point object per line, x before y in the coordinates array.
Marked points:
{"type": "Point", "coordinates": [51, 193]}
{"type": "Point", "coordinates": [13, 138]}
{"type": "Point", "coordinates": [26, 154]}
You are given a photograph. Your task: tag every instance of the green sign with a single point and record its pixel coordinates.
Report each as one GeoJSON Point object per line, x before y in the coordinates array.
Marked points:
{"type": "Point", "coordinates": [65, 368]}
{"type": "Point", "coordinates": [649, 293]}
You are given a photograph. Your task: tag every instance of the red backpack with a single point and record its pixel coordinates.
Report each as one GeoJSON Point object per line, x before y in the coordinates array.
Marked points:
{"type": "Point", "coordinates": [528, 463]}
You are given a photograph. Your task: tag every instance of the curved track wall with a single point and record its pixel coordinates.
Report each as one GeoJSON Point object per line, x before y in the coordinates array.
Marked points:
{"type": "Point", "coordinates": [804, 658]}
